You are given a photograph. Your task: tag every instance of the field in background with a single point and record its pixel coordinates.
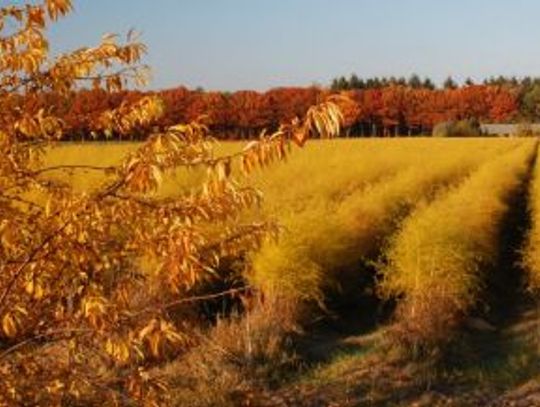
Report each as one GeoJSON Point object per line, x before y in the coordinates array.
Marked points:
{"type": "Point", "coordinates": [339, 201]}
{"type": "Point", "coordinates": [320, 166]}
{"type": "Point", "coordinates": [432, 225]}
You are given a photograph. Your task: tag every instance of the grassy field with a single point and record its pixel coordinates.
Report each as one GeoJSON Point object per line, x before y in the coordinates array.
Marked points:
{"type": "Point", "coordinates": [432, 231]}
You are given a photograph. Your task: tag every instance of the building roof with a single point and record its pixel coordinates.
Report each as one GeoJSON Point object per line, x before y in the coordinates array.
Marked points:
{"type": "Point", "coordinates": [508, 128]}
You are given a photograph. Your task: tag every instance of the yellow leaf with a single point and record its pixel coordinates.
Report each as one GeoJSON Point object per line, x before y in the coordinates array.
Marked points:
{"type": "Point", "coordinates": [123, 352]}
{"type": "Point", "coordinates": [154, 342]}
{"type": "Point", "coordinates": [48, 207]}
{"type": "Point", "coordinates": [38, 292]}
{"type": "Point", "coordinates": [29, 287]}
{"type": "Point", "coordinates": [9, 326]}
{"type": "Point", "coordinates": [156, 174]}
{"type": "Point", "coordinates": [147, 329]}
{"type": "Point", "coordinates": [109, 346]}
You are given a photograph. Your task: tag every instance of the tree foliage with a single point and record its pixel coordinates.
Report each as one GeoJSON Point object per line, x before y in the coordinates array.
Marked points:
{"type": "Point", "coordinates": [390, 109]}
{"type": "Point", "coordinates": [95, 287]}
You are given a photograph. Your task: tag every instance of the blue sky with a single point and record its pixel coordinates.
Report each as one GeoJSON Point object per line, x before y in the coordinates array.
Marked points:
{"type": "Point", "coordinates": [259, 44]}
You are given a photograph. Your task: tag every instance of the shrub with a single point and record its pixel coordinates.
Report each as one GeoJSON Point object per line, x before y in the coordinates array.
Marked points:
{"type": "Point", "coordinates": [325, 239]}
{"type": "Point", "coordinates": [436, 263]}
{"type": "Point", "coordinates": [461, 128]}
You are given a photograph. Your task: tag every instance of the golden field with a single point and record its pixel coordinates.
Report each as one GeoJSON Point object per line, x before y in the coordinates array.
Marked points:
{"type": "Point", "coordinates": [339, 201]}
{"type": "Point", "coordinates": [418, 223]}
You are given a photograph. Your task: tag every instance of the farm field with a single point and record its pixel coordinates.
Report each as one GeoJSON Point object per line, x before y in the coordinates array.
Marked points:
{"type": "Point", "coordinates": [409, 265]}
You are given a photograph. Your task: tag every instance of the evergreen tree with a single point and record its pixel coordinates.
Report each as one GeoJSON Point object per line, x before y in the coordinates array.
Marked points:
{"type": "Point", "coordinates": [414, 81]}
{"type": "Point", "coordinates": [449, 83]}
{"type": "Point", "coordinates": [355, 82]}
{"type": "Point", "coordinates": [428, 84]}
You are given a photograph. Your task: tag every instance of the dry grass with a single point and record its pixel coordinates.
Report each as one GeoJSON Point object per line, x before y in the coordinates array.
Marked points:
{"type": "Point", "coordinates": [236, 357]}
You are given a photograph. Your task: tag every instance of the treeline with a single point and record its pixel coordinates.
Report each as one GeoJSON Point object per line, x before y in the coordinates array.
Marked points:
{"type": "Point", "coordinates": [526, 89]}
{"type": "Point", "coordinates": [415, 81]}
{"type": "Point", "coordinates": [372, 107]}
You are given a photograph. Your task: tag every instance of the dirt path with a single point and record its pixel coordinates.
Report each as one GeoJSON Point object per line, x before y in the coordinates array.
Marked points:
{"type": "Point", "coordinates": [358, 373]}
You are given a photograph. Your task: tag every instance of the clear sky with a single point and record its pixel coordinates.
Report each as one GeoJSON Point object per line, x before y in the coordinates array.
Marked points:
{"type": "Point", "coordinates": [259, 44]}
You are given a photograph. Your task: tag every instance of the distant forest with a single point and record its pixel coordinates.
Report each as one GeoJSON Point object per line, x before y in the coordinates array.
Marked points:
{"type": "Point", "coordinates": [371, 106]}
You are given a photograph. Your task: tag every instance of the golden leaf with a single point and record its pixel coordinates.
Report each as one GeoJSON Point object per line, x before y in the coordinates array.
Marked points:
{"type": "Point", "coordinates": [154, 342]}
{"type": "Point", "coordinates": [29, 287]}
{"type": "Point", "coordinates": [9, 325]}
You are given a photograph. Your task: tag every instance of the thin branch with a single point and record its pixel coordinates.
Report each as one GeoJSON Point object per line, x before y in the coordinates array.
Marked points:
{"type": "Point", "coordinates": [205, 297]}
{"type": "Point", "coordinates": [73, 167]}
{"type": "Point", "coordinates": [241, 232]}
{"type": "Point", "coordinates": [123, 72]}
{"type": "Point", "coordinates": [196, 298]}
{"type": "Point", "coordinates": [21, 200]}
{"type": "Point", "coordinates": [27, 341]}
{"type": "Point", "coordinates": [26, 262]}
